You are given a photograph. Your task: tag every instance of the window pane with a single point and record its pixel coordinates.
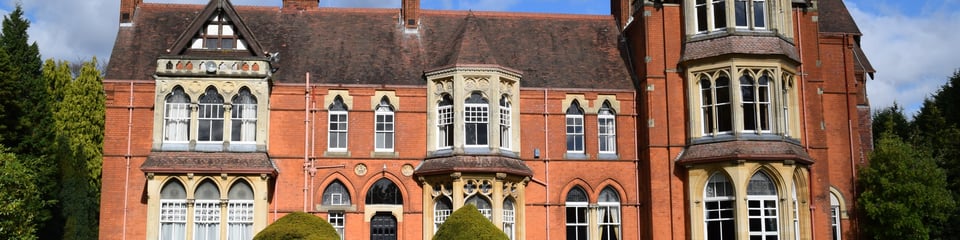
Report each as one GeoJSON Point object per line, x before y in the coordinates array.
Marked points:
{"type": "Point", "coordinates": [211, 43]}
{"type": "Point", "coordinates": [227, 43]}
{"type": "Point", "coordinates": [701, 17]}
{"type": "Point", "coordinates": [740, 10]}
{"type": "Point", "coordinates": [759, 14]}
{"type": "Point", "coordinates": [719, 14]}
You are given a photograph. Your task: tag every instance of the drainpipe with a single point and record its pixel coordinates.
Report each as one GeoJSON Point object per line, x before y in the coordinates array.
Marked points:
{"type": "Point", "coordinates": [126, 179]}
{"type": "Point", "coordinates": [306, 136]}
{"type": "Point", "coordinates": [546, 158]}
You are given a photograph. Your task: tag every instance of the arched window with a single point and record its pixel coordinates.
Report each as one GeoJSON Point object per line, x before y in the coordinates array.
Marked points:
{"type": "Point", "coordinates": [384, 192]}
{"type": "Point", "coordinates": [336, 194]}
{"type": "Point", "coordinates": [575, 128]}
{"type": "Point", "coordinates": [244, 117]}
{"type": "Point", "coordinates": [476, 118]}
{"type": "Point", "coordinates": [441, 210]}
{"type": "Point", "coordinates": [482, 204]}
{"type": "Point", "coordinates": [176, 116]}
{"type": "Point", "coordinates": [240, 211]}
{"type": "Point", "coordinates": [338, 125]}
{"type": "Point", "coordinates": [445, 122]}
{"type": "Point", "coordinates": [715, 105]}
{"type": "Point", "coordinates": [505, 122]}
{"type": "Point", "coordinates": [756, 103]}
{"type": "Point", "coordinates": [173, 211]}
{"type": "Point", "coordinates": [509, 218]}
{"type": "Point", "coordinates": [210, 118]}
{"type": "Point", "coordinates": [383, 141]}
{"type": "Point", "coordinates": [796, 213]}
{"type": "Point", "coordinates": [608, 212]}
{"type": "Point", "coordinates": [607, 129]}
{"type": "Point", "coordinates": [719, 215]}
{"type": "Point", "coordinates": [206, 212]}
{"type": "Point", "coordinates": [576, 205]}
{"type": "Point", "coordinates": [762, 210]}
{"type": "Point", "coordinates": [835, 216]}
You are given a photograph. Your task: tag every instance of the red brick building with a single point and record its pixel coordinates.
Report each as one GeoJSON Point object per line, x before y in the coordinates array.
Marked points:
{"type": "Point", "coordinates": [682, 119]}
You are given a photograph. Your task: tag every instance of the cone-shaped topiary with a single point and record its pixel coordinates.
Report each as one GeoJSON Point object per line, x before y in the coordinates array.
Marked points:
{"type": "Point", "coordinates": [299, 225]}
{"type": "Point", "coordinates": [468, 223]}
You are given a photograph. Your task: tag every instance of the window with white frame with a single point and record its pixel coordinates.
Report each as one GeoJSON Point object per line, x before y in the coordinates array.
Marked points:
{"type": "Point", "coordinates": [240, 212]}
{"type": "Point", "coordinates": [796, 214]}
{"type": "Point", "coordinates": [244, 117]}
{"type": "Point", "coordinates": [608, 213]}
{"type": "Point", "coordinates": [835, 216]}
{"type": "Point", "coordinates": [482, 204]}
{"type": "Point", "coordinates": [337, 131]}
{"type": "Point", "coordinates": [206, 212]}
{"type": "Point", "coordinates": [476, 119]}
{"type": "Point", "coordinates": [384, 125]}
{"type": "Point", "coordinates": [505, 122]}
{"type": "Point", "coordinates": [577, 220]}
{"type": "Point", "coordinates": [745, 106]}
{"type": "Point", "coordinates": [219, 33]}
{"type": "Point", "coordinates": [719, 214]}
{"type": "Point", "coordinates": [575, 128]}
{"type": "Point", "coordinates": [509, 218]}
{"type": "Point", "coordinates": [710, 15]}
{"type": "Point", "coordinates": [445, 122]}
{"type": "Point", "coordinates": [607, 129]}
{"type": "Point", "coordinates": [176, 116]}
{"type": "Point", "coordinates": [750, 14]}
{"type": "Point", "coordinates": [173, 211]}
{"type": "Point", "coordinates": [762, 209]}
{"type": "Point", "coordinates": [441, 211]}
{"type": "Point", "coordinates": [210, 118]}
{"type": "Point", "coordinates": [336, 194]}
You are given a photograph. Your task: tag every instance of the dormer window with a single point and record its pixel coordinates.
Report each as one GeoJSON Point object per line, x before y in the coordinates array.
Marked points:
{"type": "Point", "coordinates": [219, 33]}
{"type": "Point", "coordinates": [476, 120]}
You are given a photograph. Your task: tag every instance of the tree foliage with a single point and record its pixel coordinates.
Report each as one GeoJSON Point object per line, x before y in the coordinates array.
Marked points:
{"type": "Point", "coordinates": [28, 108]}
{"type": "Point", "coordinates": [468, 223]}
{"type": "Point", "coordinates": [891, 119]}
{"type": "Point", "coordinates": [79, 123]}
{"type": "Point", "coordinates": [297, 226]}
{"type": "Point", "coordinates": [21, 202]}
{"type": "Point", "coordinates": [904, 192]}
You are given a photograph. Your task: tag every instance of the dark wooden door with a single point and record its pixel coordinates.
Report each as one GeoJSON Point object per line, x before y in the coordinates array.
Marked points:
{"type": "Point", "coordinates": [383, 226]}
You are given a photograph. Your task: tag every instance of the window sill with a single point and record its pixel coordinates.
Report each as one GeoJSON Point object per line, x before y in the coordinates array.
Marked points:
{"type": "Point", "coordinates": [209, 147]}
{"type": "Point", "coordinates": [336, 208]}
{"type": "Point", "coordinates": [578, 156]}
{"type": "Point", "coordinates": [336, 154]}
{"type": "Point", "coordinates": [391, 154]}
{"type": "Point", "coordinates": [608, 156]}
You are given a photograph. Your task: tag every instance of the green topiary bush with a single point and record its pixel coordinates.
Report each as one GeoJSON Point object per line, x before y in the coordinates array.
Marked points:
{"type": "Point", "coordinates": [299, 225]}
{"type": "Point", "coordinates": [468, 223]}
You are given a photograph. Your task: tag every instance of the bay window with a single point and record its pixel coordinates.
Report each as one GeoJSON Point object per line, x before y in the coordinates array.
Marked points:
{"type": "Point", "coordinates": [762, 209]}
{"type": "Point", "coordinates": [445, 122]}
{"type": "Point", "coordinates": [757, 104]}
{"type": "Point", "coordinates": [244, 117]}
{"type": "Point", "coordinates": [476, 119]}
{"type": "Point", "coordinates": [210, 116]}
{"type": "Point", "coordinates": [176, 116]}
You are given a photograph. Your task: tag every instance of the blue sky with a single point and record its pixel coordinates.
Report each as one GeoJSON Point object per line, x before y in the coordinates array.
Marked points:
{"type": "Point", "coordinates": [912, 44]}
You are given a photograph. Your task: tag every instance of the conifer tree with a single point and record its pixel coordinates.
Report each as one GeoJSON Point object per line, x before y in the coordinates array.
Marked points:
{"type": "Point", "coordinates": [79, 124]}
{"type": "Point", "coordinates": [28, 108]}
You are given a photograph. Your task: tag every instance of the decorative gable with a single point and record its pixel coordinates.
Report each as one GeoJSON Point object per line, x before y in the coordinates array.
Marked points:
{"type": "Point", "coordinates": [217, 29]}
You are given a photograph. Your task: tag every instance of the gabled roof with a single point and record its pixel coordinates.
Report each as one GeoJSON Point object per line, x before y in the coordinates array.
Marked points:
{"type": "Point", "coordinates": [213, 7]}
{"type": "Point", "coordinates": [369, 46]}
{"type": "Point", "coordinates": [835, 18]}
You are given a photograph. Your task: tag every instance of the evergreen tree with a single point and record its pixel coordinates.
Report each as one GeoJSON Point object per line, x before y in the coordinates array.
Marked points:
{"type": "Point", "coordinates": [891, 119]}
{"type": "Point", "coordinates": [468, 223]}
{"type": "Point", "coordinates": [29, 108]}
{"type": "Point", "coordinates": [79, 124]}
{"type": "Point", "coordinates": [904, 194]}
{"type": "Point", "coordinates": [947, 98]}
{"type": "Point", "coordinates": [57, 75]}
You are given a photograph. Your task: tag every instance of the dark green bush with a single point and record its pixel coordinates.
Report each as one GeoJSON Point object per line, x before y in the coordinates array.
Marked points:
{"type": "Point", "coordinates": [468, 223]}
{"type": "Point", "coordinates": [299, 225]}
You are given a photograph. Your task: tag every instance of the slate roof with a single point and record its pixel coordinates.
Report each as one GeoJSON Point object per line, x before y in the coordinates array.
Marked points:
{"type": "Point", "coordinates": [473, 164]}
{"type": "Point", "coordinates": [208, 162]}
{"type": "Point", "coordinates": [834, 18]}
{"type": "Point", "coordinates": [370, 46]}
{"type": "Point", "coordinates": [762, 45]}
{"type": "Point", "coordinates": [744, 150]}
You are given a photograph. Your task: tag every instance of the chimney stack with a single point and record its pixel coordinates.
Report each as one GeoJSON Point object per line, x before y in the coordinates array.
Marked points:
{"type": "Point", "coordinates": [410, 13]}
{"type": "Point", "coordinates": [301, 4]}
{"type": "Point", "coordinates": [127, 8]}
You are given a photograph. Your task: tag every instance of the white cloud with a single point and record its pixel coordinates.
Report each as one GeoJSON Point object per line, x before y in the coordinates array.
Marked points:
{"type": "Point", "coordinates": [913, 55]}
{"type": "Point", "coordinates": [71, 30]}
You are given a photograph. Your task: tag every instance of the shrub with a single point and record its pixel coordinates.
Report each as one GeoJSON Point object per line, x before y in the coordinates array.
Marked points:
{"type": "Point", "coordinates": [299, 225]}
{"type": "Point", "coordinates": [468, 223]}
